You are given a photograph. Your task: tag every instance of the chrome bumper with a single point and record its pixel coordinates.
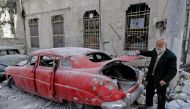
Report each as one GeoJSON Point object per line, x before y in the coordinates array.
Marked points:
{"type": "Point", "coordinates": [114, 105]}
{"type": "Point", "coordinates": [122, 104]}
{"type": "Point", "coordinates": [130, 98]}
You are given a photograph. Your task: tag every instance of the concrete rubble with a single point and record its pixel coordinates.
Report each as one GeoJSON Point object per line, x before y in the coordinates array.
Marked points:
{"type": "Point", "coordinates": [178, 98]}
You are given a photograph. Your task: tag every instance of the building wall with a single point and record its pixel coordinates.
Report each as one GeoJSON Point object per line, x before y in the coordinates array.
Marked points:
{"type": "Point", "coordinates": [112, 12]}
{"type": "Point", "coordinates": [13, 42]}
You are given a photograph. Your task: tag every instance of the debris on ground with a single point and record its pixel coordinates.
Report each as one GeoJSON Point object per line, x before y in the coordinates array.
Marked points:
{"type": "Point", "coordinates": [178, 98]}
{"type": "Point", "coordinates": [11, 98]}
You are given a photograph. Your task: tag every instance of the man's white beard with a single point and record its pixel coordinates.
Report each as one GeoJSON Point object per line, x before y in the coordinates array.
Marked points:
{"type": "Point", "coordinates": [160, 50]}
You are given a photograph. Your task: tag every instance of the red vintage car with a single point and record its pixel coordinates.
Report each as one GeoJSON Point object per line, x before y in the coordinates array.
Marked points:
{"type": "Point", "coordinates": [83, 77]}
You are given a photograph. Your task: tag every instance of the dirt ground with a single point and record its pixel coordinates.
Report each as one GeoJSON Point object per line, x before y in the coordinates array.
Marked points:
{"type": "Point", "coordinates": [18, 99]}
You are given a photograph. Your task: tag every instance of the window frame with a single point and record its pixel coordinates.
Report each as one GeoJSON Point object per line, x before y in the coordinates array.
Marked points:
{"type": "Point", "coordinates": [34, 22]}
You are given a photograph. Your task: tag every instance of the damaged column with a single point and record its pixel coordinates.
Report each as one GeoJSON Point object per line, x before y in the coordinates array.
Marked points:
{"type": "Point", "coordinates": [175, 29]}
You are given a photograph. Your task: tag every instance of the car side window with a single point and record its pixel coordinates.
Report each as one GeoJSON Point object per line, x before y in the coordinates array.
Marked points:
{"type": "Point", "coordinates": [32, 60]}
{"type": "Point", "coordinates": [66, 62]}
{"type": "Point", "coordinates": [98, 57]}
{"type": "Point", "coordinates": [2, 67]}
{"type": "Point", "coordinates": [3, 52]}
{"type": "Point", "coordinates": [11, 52]}
{"type": "Point", "coordinates": [46, 61]}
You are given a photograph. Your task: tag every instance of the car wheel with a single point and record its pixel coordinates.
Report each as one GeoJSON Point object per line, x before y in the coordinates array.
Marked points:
{"type": "Point", "coordinates": [11, 83]}
{"type": "Point", "coordinates": [90, 107]}
{"type": "Point", "coordinates": [74, 105]}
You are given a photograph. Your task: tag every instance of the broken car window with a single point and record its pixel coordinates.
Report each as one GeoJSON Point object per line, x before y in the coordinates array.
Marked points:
{"type": "Point", "coordinates": [98, 57]}
{"type": "Point", "coordinates": [32, 60]}
{"type": "Point", "coordinates": [46, 61]}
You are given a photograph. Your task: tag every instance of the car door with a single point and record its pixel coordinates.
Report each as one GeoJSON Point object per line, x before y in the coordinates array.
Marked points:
{"type": "Point", "coordinates": [27, 74]}
{"type": "Point", "coordinates": [44, 75]}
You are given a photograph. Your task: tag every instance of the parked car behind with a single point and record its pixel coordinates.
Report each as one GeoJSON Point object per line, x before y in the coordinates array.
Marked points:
{"type": "Point", "coordinates": [84, 77]}
{"type": "Point", "coordinates": [9, 56]}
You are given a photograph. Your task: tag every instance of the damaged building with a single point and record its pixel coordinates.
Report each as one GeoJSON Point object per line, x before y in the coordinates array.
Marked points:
{"type": "Point", "coordinates": [112, 26]}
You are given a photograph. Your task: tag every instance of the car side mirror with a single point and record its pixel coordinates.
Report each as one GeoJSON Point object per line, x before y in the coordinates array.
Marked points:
{"type": "Point", "coordinates": [55, 65]}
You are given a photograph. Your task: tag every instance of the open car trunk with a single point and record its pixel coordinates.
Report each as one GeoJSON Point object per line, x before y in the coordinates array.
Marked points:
{"type": "Point", "coordinates": [127, 78]}
{"type": "Point", "coordinates": [125, 75]}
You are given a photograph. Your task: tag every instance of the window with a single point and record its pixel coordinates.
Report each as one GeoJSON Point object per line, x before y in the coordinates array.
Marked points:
{"type": "Point", "coordinates": [98, 57]}
{"type": "Point", "coordinates": [136, 27]}
{"type": "Point", "coordinates": [11, 52]}
{"type": "Point", "coordinates": [46, 61]}
{"type": "Point", "coordinates": [57, 26]}
{"type": "Point", "coordinates": [3, 52]}
{"type": "Point", "coordinates": [34, 38]}
{"type": "Point", "coordinates": [2, 67]}
{"type": "Point", "coordinates": [32, 60]}
{"type": "Point", "coordinates": [91, 29]}
{"type": "Point", "coordinates": [66, 62]}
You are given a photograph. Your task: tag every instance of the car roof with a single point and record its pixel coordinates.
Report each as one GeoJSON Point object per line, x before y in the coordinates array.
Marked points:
{"type": "Point", "coordinates": [65, 51]}
{"type": "Point", "coordinates": [6, 48]}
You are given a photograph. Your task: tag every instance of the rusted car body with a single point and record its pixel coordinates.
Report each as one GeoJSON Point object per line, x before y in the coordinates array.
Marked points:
{"type": "Point", "coordinates": [79, 75]}
{"type": "Point", "coordinates": [9, 56]}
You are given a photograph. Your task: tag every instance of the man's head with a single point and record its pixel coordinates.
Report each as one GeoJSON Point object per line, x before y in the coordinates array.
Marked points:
{"type": "Point", "coordinates": [160, 45]}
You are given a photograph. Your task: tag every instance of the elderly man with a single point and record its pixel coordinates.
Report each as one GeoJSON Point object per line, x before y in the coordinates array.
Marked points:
{"type": "Point", "coordinates": [162, 70]}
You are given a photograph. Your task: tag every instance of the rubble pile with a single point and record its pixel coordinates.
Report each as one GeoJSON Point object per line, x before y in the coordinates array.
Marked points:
{"type": "Point", "coordinates": [177, 98]}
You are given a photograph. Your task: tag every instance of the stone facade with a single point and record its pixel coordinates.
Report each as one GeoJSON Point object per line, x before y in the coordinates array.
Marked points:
{"type": "Point", "coordinates": [14, 42]}
{"type": "Point", "coordinates": [112, 12]}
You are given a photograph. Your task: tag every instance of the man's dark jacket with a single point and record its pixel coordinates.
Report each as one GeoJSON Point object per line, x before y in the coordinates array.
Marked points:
{"type": "Point", "coordinates": [166, 67]}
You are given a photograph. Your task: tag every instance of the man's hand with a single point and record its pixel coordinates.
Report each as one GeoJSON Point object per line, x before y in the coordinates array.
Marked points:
{"type": "Point", "coordinates": [162, 83]}
{"type": "Point", "coordinates": [137, 52]}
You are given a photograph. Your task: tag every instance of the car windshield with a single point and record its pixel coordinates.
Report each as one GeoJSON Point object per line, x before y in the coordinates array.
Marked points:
{"type": "Point", "coordinates": [9, 52]}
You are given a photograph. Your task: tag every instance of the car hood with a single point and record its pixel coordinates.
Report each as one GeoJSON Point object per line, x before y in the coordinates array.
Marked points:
{"type": "Point", "coordinates": [11, 60]}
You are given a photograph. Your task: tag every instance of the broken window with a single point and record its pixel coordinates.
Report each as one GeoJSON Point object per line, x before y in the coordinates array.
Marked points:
{"type": "Point", "coordinates": [57, 26]}
{"type": "Point", "coordinates": [91, 29]}
{"type": "Point", "coordinates": [32, 60]}
{"type": "Point", "coordinates": [136, 27]}
{"type": "Point", "coordinates": [34, 38]}
{"type": "Point", "coordinates": [98, 57]}
{"type": "Point", "coordinates": [46, 61]}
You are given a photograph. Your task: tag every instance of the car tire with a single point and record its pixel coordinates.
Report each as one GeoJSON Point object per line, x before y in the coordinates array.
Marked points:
{"type": "Point", "coordinates": [90, 107]}
{"type": "Point", "coordinates": [74, 105]}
